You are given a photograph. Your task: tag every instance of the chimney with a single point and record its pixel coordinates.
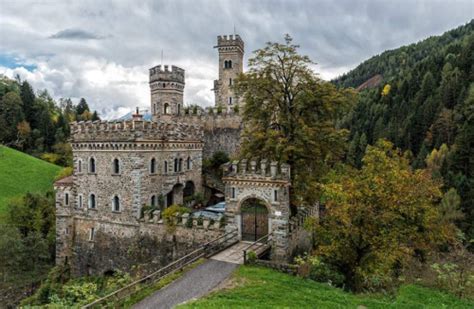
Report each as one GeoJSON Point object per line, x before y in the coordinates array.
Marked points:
{"type": "Point", "coordinates": [137, 116]}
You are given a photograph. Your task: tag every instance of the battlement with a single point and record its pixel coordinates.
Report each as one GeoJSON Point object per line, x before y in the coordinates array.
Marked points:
{"type": "Point", "coordinates": [256, 170]}
{"type": "Point", "coordinates": [230, 41]}
{"type": "Point", "coordinates": [167, 74]}
{"type": "Point", "coordinates": [135, 130]}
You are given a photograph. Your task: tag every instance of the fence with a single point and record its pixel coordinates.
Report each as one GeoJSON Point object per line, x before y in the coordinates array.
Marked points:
{"type": "Point", "coordinates": [206, 250]}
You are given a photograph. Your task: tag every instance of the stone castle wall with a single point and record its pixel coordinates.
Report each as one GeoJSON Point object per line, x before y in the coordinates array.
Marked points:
{"type": "Point", "coordinates": [221, 130]}
{"type": "Point", "coordinates": [124, 245]}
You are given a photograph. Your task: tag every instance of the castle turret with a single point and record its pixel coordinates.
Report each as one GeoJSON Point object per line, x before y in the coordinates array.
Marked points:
{"type": "Point", "coordinates": [231, 55]}
{"type": "Point", "coordinates": [166, 86]}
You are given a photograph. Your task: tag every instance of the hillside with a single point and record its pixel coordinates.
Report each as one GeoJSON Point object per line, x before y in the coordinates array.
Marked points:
{"type": "Point", "coordinates": [255, 287]}
{"type": "Point", "coordinates": [21, 173]}
{"type": "Point", "coordinates": [423, 101]}
{"type": "Point", "coordinates": [399, 62]}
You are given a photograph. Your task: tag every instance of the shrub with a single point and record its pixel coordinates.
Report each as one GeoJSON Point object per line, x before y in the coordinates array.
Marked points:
{"type": "Point", "coordinates": [67, 171]}
{"type": "Point", "coordinates": [189, 222]}
{"type": "Point", "coordinates": [318, 270]}
{"type": "Point", "coordinates": [200, 221]}
{"type": "Point", "coordinates": [236, 109]}
{"type": "Point", "coordinates": [251, 257]}
{"type": "Point", "coordinates": [170, 213]}
{"type": "Point", "coordinates": [222, 221]}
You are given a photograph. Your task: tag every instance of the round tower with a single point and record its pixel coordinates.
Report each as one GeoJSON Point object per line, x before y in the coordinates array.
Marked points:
{"type": "Point", "coordinates": [231, 64]}
{"type": "Point", "coordinates": [166, 86]}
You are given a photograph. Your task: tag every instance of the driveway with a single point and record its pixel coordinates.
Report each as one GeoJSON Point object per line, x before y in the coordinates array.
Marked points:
{"type": "Point", "coordinates": [193, 284]}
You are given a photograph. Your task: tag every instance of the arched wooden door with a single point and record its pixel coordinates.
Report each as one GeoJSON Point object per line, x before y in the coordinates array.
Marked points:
{"type": "Point", "coordinates": [254, 216]}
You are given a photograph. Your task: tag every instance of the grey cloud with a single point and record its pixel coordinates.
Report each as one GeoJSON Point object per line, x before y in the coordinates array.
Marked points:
{"type": "Point", "coordinates": [112, 73]}
{"type": "Point", "coordinates": [75, 34]}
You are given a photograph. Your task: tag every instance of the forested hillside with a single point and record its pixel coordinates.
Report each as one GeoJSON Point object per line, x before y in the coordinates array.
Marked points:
{"type": "Point", "coordinates": [34, 123]}
{"type": "Point", "coordinates": [424, 105]}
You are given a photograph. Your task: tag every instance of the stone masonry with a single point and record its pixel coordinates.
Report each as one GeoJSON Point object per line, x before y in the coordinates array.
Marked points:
{"type": "Point", "coordinates": [123, 168]}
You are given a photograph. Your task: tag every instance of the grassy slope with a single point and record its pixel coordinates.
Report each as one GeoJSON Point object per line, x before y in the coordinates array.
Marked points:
{"type": "Point", "coordinates": [264, 288]}
{"type": "Point", "coordinates": [21, 173]}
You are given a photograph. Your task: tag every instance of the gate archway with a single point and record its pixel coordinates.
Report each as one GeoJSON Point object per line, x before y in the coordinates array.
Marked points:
{"type": "Point", "coordinates": [254, 219]}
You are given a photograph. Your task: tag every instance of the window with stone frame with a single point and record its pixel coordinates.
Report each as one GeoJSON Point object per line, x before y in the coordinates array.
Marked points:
{"type": "Point", "coordinates": [166, 109]}
{"type": "Point", "coordinates": [232, 192]}
{"type": "Point", "coordinates": [79, 166]}
{"type": "Point", "coordinates": [66, 199]}
{"type": "Point", "coordinates": [152, 166]}
{"type": "Point", "coordinates": [176, 165]}
{"type": "Point", "coordinates": [116, 204]}
{"type": "Point", "coordinates": [92, 167]}
{"type": "Point", "coordinates": [165, 167]}
{"type": "Point", "coordinates": [188, 163]}
{"type": "Point", "coordinates": [275, 195]}
{"type": "Point", "coordinates": [79, 202]}
{"type": "Point", "coordinates": [91, 234]}
{"type": "Point", "coordinates": [153, 201]}
{"type": "Point", "coordinates": [92, 201]}
{"type": "Point", "coordinates": [116, 166]}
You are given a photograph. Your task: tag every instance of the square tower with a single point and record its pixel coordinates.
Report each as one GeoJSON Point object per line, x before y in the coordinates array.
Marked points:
{"type": "Point", "coordinates": [231, 56]}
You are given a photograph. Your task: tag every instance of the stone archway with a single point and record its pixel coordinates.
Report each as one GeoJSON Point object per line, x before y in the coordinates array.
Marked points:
{"type": "Point", "coordinates": [189, 189]}
{"type": "Point", "coordinates": [175, 196]}
{"type": "Point", "coordinates": [254, 219]}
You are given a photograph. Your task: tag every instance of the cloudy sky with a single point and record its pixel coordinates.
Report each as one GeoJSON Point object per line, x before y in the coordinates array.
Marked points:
{"type": "Point", "coordinates": [101, 50]}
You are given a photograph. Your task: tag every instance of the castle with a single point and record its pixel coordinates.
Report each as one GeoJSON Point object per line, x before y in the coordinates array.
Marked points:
{"type": "Point", "coordinates": [108, 213]}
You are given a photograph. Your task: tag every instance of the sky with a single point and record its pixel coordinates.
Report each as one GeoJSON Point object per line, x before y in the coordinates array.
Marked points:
{"type": "Point", "coordinates": [102, 50]}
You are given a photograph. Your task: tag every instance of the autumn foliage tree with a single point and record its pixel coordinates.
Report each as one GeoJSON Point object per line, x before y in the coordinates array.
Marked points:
{"type": "Point", "coordinates": [289, 115]}
{"type": "Point", "coordinates": [379, 217]}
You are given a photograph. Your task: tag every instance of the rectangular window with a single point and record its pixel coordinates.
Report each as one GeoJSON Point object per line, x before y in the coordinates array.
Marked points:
{"type": "Point", "coordinates": [230, 100]}
{"type": "Point", "coordinates": [275, 195]}
{"type": "Point", "coordinates": [67, 231]}
{"type": "Point", "coordinates": [232, 192]}
{"type": "Point", "coordinates": [80, 201]}
{"type": "Point", "coordinates": [230, 81]}
{"type": "Point", "coordinates": [91, 234]}
{"type": "Point", "coordinates": [66, 199]}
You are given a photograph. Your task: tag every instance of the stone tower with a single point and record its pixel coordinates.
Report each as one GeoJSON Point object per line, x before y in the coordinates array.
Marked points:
{"type": "Point", "coordinates": [231, 56]}
{"type": "Point", "coordinates": [166, 86]}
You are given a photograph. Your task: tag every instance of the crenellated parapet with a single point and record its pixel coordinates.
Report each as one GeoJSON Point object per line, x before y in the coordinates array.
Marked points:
{"type": "Point", "coordinates": [230, 41]}
{"type": "Point", "coordinates": [261, 171]}
{"type": "Point", "coordinates": [213, 118]}
{"type": "Point", "coordinates": [167, 74]}
{"type": "Point", "coordinates": [128, 131]}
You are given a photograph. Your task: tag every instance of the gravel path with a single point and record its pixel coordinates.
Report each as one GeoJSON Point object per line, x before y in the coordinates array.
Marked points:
{"type": "Point", "coordinates": [192, 285]}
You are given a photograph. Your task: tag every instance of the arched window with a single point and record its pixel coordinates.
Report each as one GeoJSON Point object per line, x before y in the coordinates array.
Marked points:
{"type": "Point", "coordinates": [188, 163]}
{"type": "Point", "coordinates": [153, 201]}
{"type": "Point", "coordinates": [80, 201]}
{"type": "Point", "coordinates": [180, 165]}
{"type": "Point", "coordinates": [116, 166]}
{"type": "Point", "coordinates": [165, 169]}
{"type": "Point", "coordinates": [176, 162]}
{"type": "Point", "coordinates": [116, 204]}
{"type": "Point", "coordinates": [79, 166]}
{"type": "Point", "coordinates": [166, 109]}
{"type": "Point", "coordinates": [228, 64]}
{"type": "Point", "coordinates": [92, 203]}
{"type": "Point", "coordinates": [153, 166]}
{"type": "Point", "coordinates": [91, 165]}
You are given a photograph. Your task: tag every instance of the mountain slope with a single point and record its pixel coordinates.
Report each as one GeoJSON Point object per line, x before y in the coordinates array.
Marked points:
{"type": "Point", "coordinates": [398, 62]}
{"type": "Point", "coordinates": [21, 173]}
{"type": "Point", "coordinates": [424, 105]}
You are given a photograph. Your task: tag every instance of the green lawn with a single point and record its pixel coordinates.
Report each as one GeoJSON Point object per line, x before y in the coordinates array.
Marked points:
{"type": "Point", "coordinates": [21, 173]}
{"type": "Point", "coordinates": [256, 287]}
